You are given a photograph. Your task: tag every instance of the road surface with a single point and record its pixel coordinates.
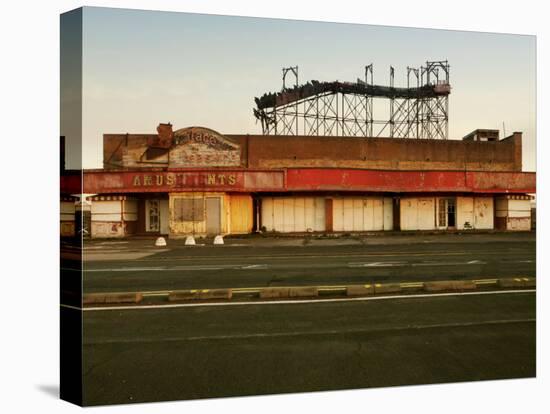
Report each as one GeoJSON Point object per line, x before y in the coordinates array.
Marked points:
{"type": "Point", "coordinates": [137, 265]}
{"type": "Point", "coordinates": [140, 355]}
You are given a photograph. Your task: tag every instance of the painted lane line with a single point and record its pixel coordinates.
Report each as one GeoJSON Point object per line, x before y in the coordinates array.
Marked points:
{"type": "Point", "coordinates": [485, 281]}
{"type": "Point", "coordinates": [301, 301]}
{"type": "Point", "coordinates": [320, 287]}
{"type": "Point", "coordinates": [321, 332]}
{"type": "Point", "coordinates": [377, 264]}
{"type": "Point", "coordinates": [255, 266]}
{"type": "Point", "coordinates": [197, 267]}
{"type": "Point", "coordinates": [294, 256]}
{"type": "Point", "coordinates": [397, 264]}
{"type": "Point", "coordinates": [159, 269]}
{"type": "Point", "coordinates": [471, 262]}
{"type": "Point", "coordinates": [298, 257]}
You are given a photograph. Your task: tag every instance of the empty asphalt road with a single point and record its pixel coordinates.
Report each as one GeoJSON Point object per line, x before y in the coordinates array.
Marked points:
{"type": "Point", "coordinates": [151, 354]}
{"type": "Point", "coordinates": [136, 265]}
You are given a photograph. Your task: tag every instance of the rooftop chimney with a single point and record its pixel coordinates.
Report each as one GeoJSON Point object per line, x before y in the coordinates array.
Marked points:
{"type": "Point", "coordinates": [165, 135]}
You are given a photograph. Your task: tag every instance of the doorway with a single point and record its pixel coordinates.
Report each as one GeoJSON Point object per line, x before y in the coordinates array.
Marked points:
{"type": "Point", "coordinates": [451, 213]}
{"type": "Point", "coordinates": [152, 216]}
{"type": "Point", "coordinates": [446, 213]}
{"type": "Point", "coordinates": [156, 216]}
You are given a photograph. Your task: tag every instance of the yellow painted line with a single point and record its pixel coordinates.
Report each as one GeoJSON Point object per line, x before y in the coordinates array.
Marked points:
{"type": "Point", "coordinates": [331, 289]}
{"type": "Point", "coordinates": [412, 285]}
{"type": "Point", "coordinates": [155, 292]}
{"type": "Point", "coordinates": [248, 289]}
{"type": "Point", "coordinates": [486, 282]}
{"type": "Point", "coordinates": [332, 286]}
{"type": "Point", "coordinates": [253, 289]}
{"type": "Point", "coordinates": [295, 302]}
{"type": "Point", "coordinates": [321, 288]}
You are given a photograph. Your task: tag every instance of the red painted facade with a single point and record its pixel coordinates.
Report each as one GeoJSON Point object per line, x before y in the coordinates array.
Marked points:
{"type": "Point", "coordinates": [300, 179]}
{"type": "Point", "coordinates": [176, 180]}
{"type": "Point", "coordinates": [322, 179]}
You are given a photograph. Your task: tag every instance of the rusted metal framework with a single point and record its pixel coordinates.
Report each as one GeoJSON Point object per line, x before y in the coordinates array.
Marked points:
{"type": "Point", "coordinates": [421, 110]}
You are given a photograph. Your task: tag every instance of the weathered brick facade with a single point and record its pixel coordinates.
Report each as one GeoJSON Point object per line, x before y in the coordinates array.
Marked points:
{"type": "Point", "coordinates": [197, 181]}
{"type": "Point", "coordinates": [266, 152]}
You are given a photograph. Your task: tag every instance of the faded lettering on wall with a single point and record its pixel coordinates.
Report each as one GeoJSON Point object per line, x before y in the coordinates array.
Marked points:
{"type": "Point", "coordinates": [184, 180]}
{"type": "Point", "coordinates": [201, 147]}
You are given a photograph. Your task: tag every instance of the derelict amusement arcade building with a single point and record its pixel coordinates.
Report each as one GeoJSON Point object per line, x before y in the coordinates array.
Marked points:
{"type": "Point", "coordinates": [319, 166]}
{"type": "Point", "coordinates": [195, 181]}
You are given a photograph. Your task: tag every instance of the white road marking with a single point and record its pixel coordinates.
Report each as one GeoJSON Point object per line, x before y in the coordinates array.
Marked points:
{"type": "Point", "coordinates": [256, 266]}
{"type": "Point", "coordinates": [235, 267]}
{"type": "Point", "coordinates": [273, 266]}
{"type": "Point", "coordinates": [321, 332]}
{"type": "Point", "coordinates": [198, 267]}
{"type": "Point", "coordinates": [377, 264]}
{"type": "Point", "coordinates": [397, 264]}
{"type": "Point", "coordinates": [288, 302]}
{"type": "Point", "coordinates": [471, 262]}
{"type": "Point", "coordinates": [314, 256]}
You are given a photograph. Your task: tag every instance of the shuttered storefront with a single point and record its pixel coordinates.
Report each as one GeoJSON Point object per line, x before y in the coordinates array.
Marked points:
{"type": "Point", "coordinates": [420, 214]}
{"type": "Point", "coordinates": [303, 214]}
{"type": "Point", "coordinates": [475, 213]}
{"type": "Point", "coordinates": [293, 214]}
{"type": "Point", "coordinates": [362, 214]}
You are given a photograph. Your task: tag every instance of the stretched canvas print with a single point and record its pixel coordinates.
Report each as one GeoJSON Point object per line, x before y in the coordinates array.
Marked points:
{"type": "Point", "coordinates": [260, 206]}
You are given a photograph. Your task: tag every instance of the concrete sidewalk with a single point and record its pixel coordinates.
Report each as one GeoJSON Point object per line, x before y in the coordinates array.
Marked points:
{"type": "Point", "coordinates": [257, 240]}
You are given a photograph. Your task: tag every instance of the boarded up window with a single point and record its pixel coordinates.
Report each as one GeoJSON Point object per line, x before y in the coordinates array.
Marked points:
{"type": "Point", "coordinates": [189, 209]}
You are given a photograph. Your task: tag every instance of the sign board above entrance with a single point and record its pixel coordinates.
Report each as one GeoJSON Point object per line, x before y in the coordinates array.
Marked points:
{"type": "Point", "coordinates": [182, 180]}
{"type": "Point", "coordinates": [203, 147]}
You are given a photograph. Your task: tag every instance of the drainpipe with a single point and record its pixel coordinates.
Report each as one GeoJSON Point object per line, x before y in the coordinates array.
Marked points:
{"type": "Point", "coordinates": [122, 216]}
{"type": "Point", "coordinates": [258, 201]}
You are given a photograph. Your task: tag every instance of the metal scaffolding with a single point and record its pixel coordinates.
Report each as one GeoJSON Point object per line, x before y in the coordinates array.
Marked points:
{"type": "Point", "coordinates": [421, 110]}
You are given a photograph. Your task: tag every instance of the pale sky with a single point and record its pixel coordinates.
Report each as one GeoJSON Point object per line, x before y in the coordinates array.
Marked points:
{"type": "Point", "coordinates": [145, 67]}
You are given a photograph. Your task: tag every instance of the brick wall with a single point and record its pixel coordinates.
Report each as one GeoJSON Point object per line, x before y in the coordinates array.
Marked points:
{"type": "Point", "coordinates": [259, 151]}
{"type": "Point", "coordinates": [383, 153]}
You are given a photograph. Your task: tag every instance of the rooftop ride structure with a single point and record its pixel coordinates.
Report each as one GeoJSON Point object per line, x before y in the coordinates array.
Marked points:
{"type": "Point", "coordinates": [420, 110]}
